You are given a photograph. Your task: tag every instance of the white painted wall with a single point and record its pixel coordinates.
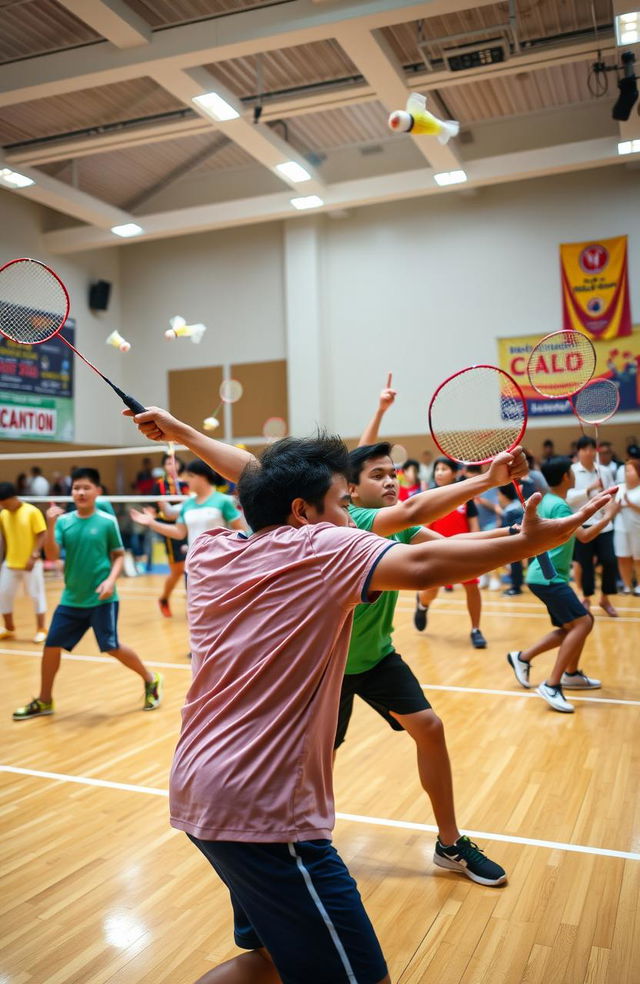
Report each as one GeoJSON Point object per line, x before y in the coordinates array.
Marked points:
{"type": "Point", "coordinates": [97, 413]}
{"type": "Point", "coordinates": [231, 281]}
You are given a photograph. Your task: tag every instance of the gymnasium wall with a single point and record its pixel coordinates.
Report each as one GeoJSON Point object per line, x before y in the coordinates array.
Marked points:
{"type": "Point", "coordinates": [97, 416]}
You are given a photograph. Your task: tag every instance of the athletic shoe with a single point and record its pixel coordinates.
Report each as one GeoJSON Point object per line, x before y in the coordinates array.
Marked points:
{"type": "Point", "coordinates": [467, 858]}
{"type": "Point", "coordinates": [511, 592]}
{"type": "Point", "coordinates": [37, 708]}
{"type": "Point", "coordinates": [555, 698]}
{"type": "Point", "coordinates": [163, 604]}
{"type": "Point", "coordinates": [420, 616]}
{"type": "Point", "coordinates": [40, 636]}
{"type": "Point", "coordinates": [7, 633]}
{"type": "Point", "coordinates": [153, 693]}
{"type": "Point", "coordinates": [579, 681]}
{"type": "Point", "coordinates": [625, 590]}
{"type": "Point", "coordinates": [520, 667]}
{"type": "Point", "coordinates": [478, 641]}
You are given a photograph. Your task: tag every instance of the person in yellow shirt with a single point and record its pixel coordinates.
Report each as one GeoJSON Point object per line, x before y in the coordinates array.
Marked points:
{"type": "Point", "coordinates": [22, 527]}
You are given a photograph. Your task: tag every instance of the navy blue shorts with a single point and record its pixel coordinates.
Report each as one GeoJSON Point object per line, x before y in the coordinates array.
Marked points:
{"type": "Point", "coordinates": [69, 624]}
{"type": "Point", "coordinates": [390, 685]}
{"type": "Point", "coordinates": [561, 601]}
{"type": "Point", "coordinates": [298, 901]}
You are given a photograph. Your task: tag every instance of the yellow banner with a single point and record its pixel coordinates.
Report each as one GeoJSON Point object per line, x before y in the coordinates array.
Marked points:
{"type": "Point", "coordinates": [595, 287]}
{"type": "Point", "coordinates": [618, 360]}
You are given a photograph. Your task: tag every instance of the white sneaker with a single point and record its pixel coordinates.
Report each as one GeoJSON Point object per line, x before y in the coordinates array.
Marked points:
{"type": "Point", "coordinates": [579, 681]}
{"type": "Point", "coordinates": [7, 633]}
{"type": "Point", "coordinates": [520, 667]}
{"type": "Point", "coordinates": [555, 698]}
{"type": "Point", "coordinates": [40, 636]}
{"type": "Point", "coordinates": [495, 584]}
{"type": "Point", "coordinates": [484, 581]}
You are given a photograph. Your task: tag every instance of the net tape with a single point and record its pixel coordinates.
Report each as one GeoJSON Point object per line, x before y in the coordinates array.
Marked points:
{"type": "Point", "coordinates": [597, 402]}
{"type": "Point", "coordinates": [561, 364]}
{"type": "Point", "coordinates": [33, 303]}
{"type": "Point", "coordinates": [491, 399]}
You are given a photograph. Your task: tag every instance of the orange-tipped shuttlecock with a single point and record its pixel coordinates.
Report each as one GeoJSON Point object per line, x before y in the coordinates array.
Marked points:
{"type": "Point", "coordinates": [116, 339]}
{"type": "Point", "coordinates": [417, 119]}
{"type": "Point", "coordinates": [210, 423]}
{"type": "Point", "coordinates": [180, 329]}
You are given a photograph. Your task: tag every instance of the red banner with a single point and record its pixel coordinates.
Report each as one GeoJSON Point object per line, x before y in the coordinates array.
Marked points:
{"type": "Point", "coordinates": [595, 287]}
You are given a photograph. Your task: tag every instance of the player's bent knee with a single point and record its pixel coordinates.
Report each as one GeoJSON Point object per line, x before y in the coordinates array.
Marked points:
{"type": "Point", "coordinates": [423, 726]}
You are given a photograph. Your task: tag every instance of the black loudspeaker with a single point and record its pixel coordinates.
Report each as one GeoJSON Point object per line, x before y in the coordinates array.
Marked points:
{"type": "Point", "coordinates": [99, 295]}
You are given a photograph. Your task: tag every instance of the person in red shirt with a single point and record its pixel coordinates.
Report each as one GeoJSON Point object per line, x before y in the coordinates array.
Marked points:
{"type": "Point", "coordinates": [409, 480]}
{"type": "Point", "coordinates": [464, 519]}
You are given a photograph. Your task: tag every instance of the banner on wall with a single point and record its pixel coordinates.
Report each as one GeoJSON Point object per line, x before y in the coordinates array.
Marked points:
{"type": "Point", "coordinates": [595, 287]}
{"type": "Point", "coordinates": [617, 359]}
{"type": "Point", "coordinates": [36, 389]}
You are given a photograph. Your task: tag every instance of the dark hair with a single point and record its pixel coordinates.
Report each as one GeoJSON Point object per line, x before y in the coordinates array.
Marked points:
{"type": "Point", "coordinates": [508, 492]}
{"type": "Point", "coordinates": [7, 490]}
{"type": "Point", "coordinates": [411, 463]}
{"type": "Point", "coordinates": [91, 474]}
{"type": "Point", "coordinates": [585, 442]}
{"type": "Point", "coordinates": [548, 443]}
{"type": "Point", "coordinates": [201, 468]}
{"type": "Point", "coordinates": [179, 462]}
{"type": "Point", "coordinates": [633, 451]}
{"type": "Point", "coordinates": [554, 469]}
{"type": "Point", "coordinates": [359, 457]}
{"type": "Point", "coordinates": [443, 460]}
{"type": "Point", "coordinates": [293, 468]}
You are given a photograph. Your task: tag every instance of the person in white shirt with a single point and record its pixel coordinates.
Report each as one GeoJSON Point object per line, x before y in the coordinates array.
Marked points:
{"type": "Point", "coordinates": [626, 527]}
{"type": "Point", "coordinates": [589, 481]}
{"type": "Point", "coordinates": [38, 484]}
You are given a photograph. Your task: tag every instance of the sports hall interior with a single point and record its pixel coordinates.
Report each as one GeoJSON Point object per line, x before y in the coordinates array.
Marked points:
{"type": "Point", "coordinates": [311, 309]}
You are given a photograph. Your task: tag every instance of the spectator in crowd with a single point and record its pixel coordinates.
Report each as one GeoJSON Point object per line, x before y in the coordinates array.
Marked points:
{"type": "Point", "coordinates": [633, 453]}
{"type": "Point", "coordinates": [22, 484]}
{"type": "Point", "coordinates": [425, 473]}
{"type": "Point", "coordinates": [144, 482]}
{"type": "Point", "coordinates": [60, 485]}
{"type": "Point", "coordinates": [548, 449]}
{"type": "Point", "coordinates": [511, 515]}
{"type": "Point", "coordinates": [607, 456]}
{"type": "Point", "coordinates": [626, 527]}
{"type": "Point", "coordinates": [409, 479]}
{"type": "Point", "coordinates": [22, 530]}
{"type": "Point", "coordinates": [38, 484]}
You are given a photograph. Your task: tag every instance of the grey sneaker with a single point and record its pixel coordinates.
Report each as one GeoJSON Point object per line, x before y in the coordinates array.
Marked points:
{"type": "Point", "coordinates": [580, 681]}
{"type": "Point", "coordinates": [555, 698]}
{"type": "Point", "coordinates": [520, 667]}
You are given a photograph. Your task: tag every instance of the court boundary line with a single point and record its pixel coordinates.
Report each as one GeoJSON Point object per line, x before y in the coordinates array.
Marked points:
{"type": "Point", "coordinates": [349, 817]}
{"type": "Point", "coordinates": [79, 658]}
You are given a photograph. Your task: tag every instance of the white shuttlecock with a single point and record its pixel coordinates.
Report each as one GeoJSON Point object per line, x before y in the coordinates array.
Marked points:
{"type": "Point", "coordinates": [180, 329]}
{"type": "Point", "coordinates": [210, 423]}
{"type": "Point", "coordinates": [116, 339]}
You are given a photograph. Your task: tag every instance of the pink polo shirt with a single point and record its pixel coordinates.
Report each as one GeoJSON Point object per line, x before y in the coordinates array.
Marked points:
{"type": "Point", "coordinates": [270, 619]}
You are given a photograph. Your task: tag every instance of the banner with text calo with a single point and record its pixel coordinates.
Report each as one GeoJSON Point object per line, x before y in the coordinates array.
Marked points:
{"type": "Point", "coordinates": [595, 287]}
{"type": "Point", "coordinates": [618, 360]}
{"type": "Point", "coordinates": [36, 389]}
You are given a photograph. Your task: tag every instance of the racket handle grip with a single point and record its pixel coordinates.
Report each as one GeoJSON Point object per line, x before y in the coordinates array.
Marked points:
{"type": "Point", "coordinates": [132, 403]}
{"type": "Point", "coordinates": [546, 565]}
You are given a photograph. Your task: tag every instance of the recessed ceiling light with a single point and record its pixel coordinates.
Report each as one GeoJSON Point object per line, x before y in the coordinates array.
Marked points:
{"type": "Point", "coordinates": [628, 27]}
{"type": "Point", "coordinates": [450, 177]}
{"type": "Point", "coordinates": [216, 106]}
{"type": "Point", "coordinates": [12, 179]}
{"type": "Point", "coordinates": [629, 147]}
{"type": "Point", "coordinates": [293, 171]}
{"type": "Point", "coordinates": [127, 230]}
{"type": "Point", "coordinates": [310, 201]}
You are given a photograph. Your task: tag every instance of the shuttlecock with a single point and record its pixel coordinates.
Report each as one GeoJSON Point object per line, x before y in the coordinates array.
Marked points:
{"type": "Point", "coordinates": [210, 423]}
{"type": "Point", "coordinates": [417, 119]}
{"type": "Point", "coordinates": [180, 329]}
{"type": "Point", "coordinates": [116, 339]}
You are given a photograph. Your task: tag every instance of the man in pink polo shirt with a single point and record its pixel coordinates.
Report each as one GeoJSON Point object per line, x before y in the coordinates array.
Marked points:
{"type": "Point", "coordinates": [270, 617]}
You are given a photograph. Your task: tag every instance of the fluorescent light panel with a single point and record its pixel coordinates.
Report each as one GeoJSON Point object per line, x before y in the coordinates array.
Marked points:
{"type": "Point", "coordinates": [12, 179]}
{"type": "Point", "coordinates": [293, 171]}
{"type": "Point", "coordinates": [310, 201]}
{"type": "Point", "coordinates": [127, 230]}
{"type": "Point", "coordinates": [450, 177]}
{"type": "Point", "coordinates": [216, 106]}
{"type": "Point", "coordinates": [628, 27]}
{"type": "Point", "coordinates": [629, 147]}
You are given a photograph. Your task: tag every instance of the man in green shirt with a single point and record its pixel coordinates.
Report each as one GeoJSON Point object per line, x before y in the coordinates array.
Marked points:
{"type": "Point", "coordinates": [571, 621]}
{"type": "Point", "coordinates": [94, 555]}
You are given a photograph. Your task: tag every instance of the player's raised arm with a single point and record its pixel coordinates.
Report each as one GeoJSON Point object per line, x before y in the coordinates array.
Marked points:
{"type": "Point", "coordinates": [160, 425]}
{"type": "Point", "coordinates": [387, 397]}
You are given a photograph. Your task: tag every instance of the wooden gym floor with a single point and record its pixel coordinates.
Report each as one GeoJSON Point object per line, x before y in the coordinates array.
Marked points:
{"type": "Point", "coordinates": [98, 889]}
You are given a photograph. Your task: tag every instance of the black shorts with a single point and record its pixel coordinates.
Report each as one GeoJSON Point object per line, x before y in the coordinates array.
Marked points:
{"type": "Point", "coordinates": [69, 624]}
{"type": "Point", "coordinates": [390, 685]}
{"type": "Point", "coordinates": [176, 550]}
{"type": "Point", "coordinates": [561, 602]}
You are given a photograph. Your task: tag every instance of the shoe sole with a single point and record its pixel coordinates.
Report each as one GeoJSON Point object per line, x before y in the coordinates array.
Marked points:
{"type": "Point", "coordinates": [527, 685]}
{"type": "Point", "coordinates": [560, 710]}
{"type": "Point", "coordinates": [29, 717]}
{"type": "Point", "coordinates": [580, 686]}
{"type": "Point", "coordinates": [450, 865]}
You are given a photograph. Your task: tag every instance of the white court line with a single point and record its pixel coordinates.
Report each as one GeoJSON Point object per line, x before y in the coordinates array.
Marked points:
{"type": "Point", "coordinates": [508, 615]}
{"type": "Point", "coordinates": [425, 686]}
{"type": "Point", "coordinates": [352, 817]}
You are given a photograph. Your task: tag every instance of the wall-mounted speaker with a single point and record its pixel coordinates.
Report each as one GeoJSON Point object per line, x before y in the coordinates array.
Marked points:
{"type": "Point", "coordinates": [99, 294]}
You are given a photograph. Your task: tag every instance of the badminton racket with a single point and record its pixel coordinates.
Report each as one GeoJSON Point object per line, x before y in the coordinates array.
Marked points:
{"type": "Point", "coordinates": [229, 391]}
{"type": "Point", "coordinates": [594, 404]}
{"type": "Point", "coordinates": [274, 428]}
{"type": "Point", "coordinates": [498, 409]}
{"type": "Point", "coordinates": [561, 364]}
{"type": "Point", "coordinates": [34, 306]}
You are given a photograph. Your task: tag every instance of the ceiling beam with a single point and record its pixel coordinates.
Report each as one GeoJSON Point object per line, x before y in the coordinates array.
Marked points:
{"type": "Point", "coordinates": [390, 187]}
{"type": "Point", "coordinates": [113, 19]}
{"type": "Point", "coordinates": [261, 29]}
{"type": "Point", "coordinates": [71, 201]}
{"type": "Point", "coordinates": [258, 140]}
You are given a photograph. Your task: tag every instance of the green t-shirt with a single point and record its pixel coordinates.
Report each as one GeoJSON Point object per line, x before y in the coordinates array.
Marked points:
{"type": "Point", "coordinates": [87, 544]}
{"type": "Point", "coordinates": [373, 624]}
{"type": "Point", "coordinates": [198, 517]}
{"type": "Point", "coordinates": [553, 507]}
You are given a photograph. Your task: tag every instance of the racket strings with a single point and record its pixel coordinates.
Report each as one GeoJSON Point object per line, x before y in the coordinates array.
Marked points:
{"type": "Point", "coordinates": [597, 402]}
{"type": "Point", "coordinates": [493, 403]}
{"type": "Point", "coordinates": [33, 304]}
{"type": "Point", "coordinates": [561, 364]}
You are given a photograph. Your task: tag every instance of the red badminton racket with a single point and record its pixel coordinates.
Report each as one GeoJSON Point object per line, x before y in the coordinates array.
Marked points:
{"type": "Point", "coordinates": [34, 306]}
{"type": "Point", "coordinates": [494, 401]}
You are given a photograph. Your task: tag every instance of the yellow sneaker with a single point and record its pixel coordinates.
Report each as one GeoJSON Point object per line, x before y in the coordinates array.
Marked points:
{"type": "Point", "coordinates": [153, 692]}
{"type": "Point", "coordinates": [37, 708]}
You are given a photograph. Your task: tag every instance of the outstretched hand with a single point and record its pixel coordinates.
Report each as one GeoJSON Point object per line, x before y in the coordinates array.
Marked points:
{"type": "Point", "coordinates": [545, 534]}
{"type": "Point", "coordinates": [157, 424]}
{"type": "Point", "coordinates": [144, 518]}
